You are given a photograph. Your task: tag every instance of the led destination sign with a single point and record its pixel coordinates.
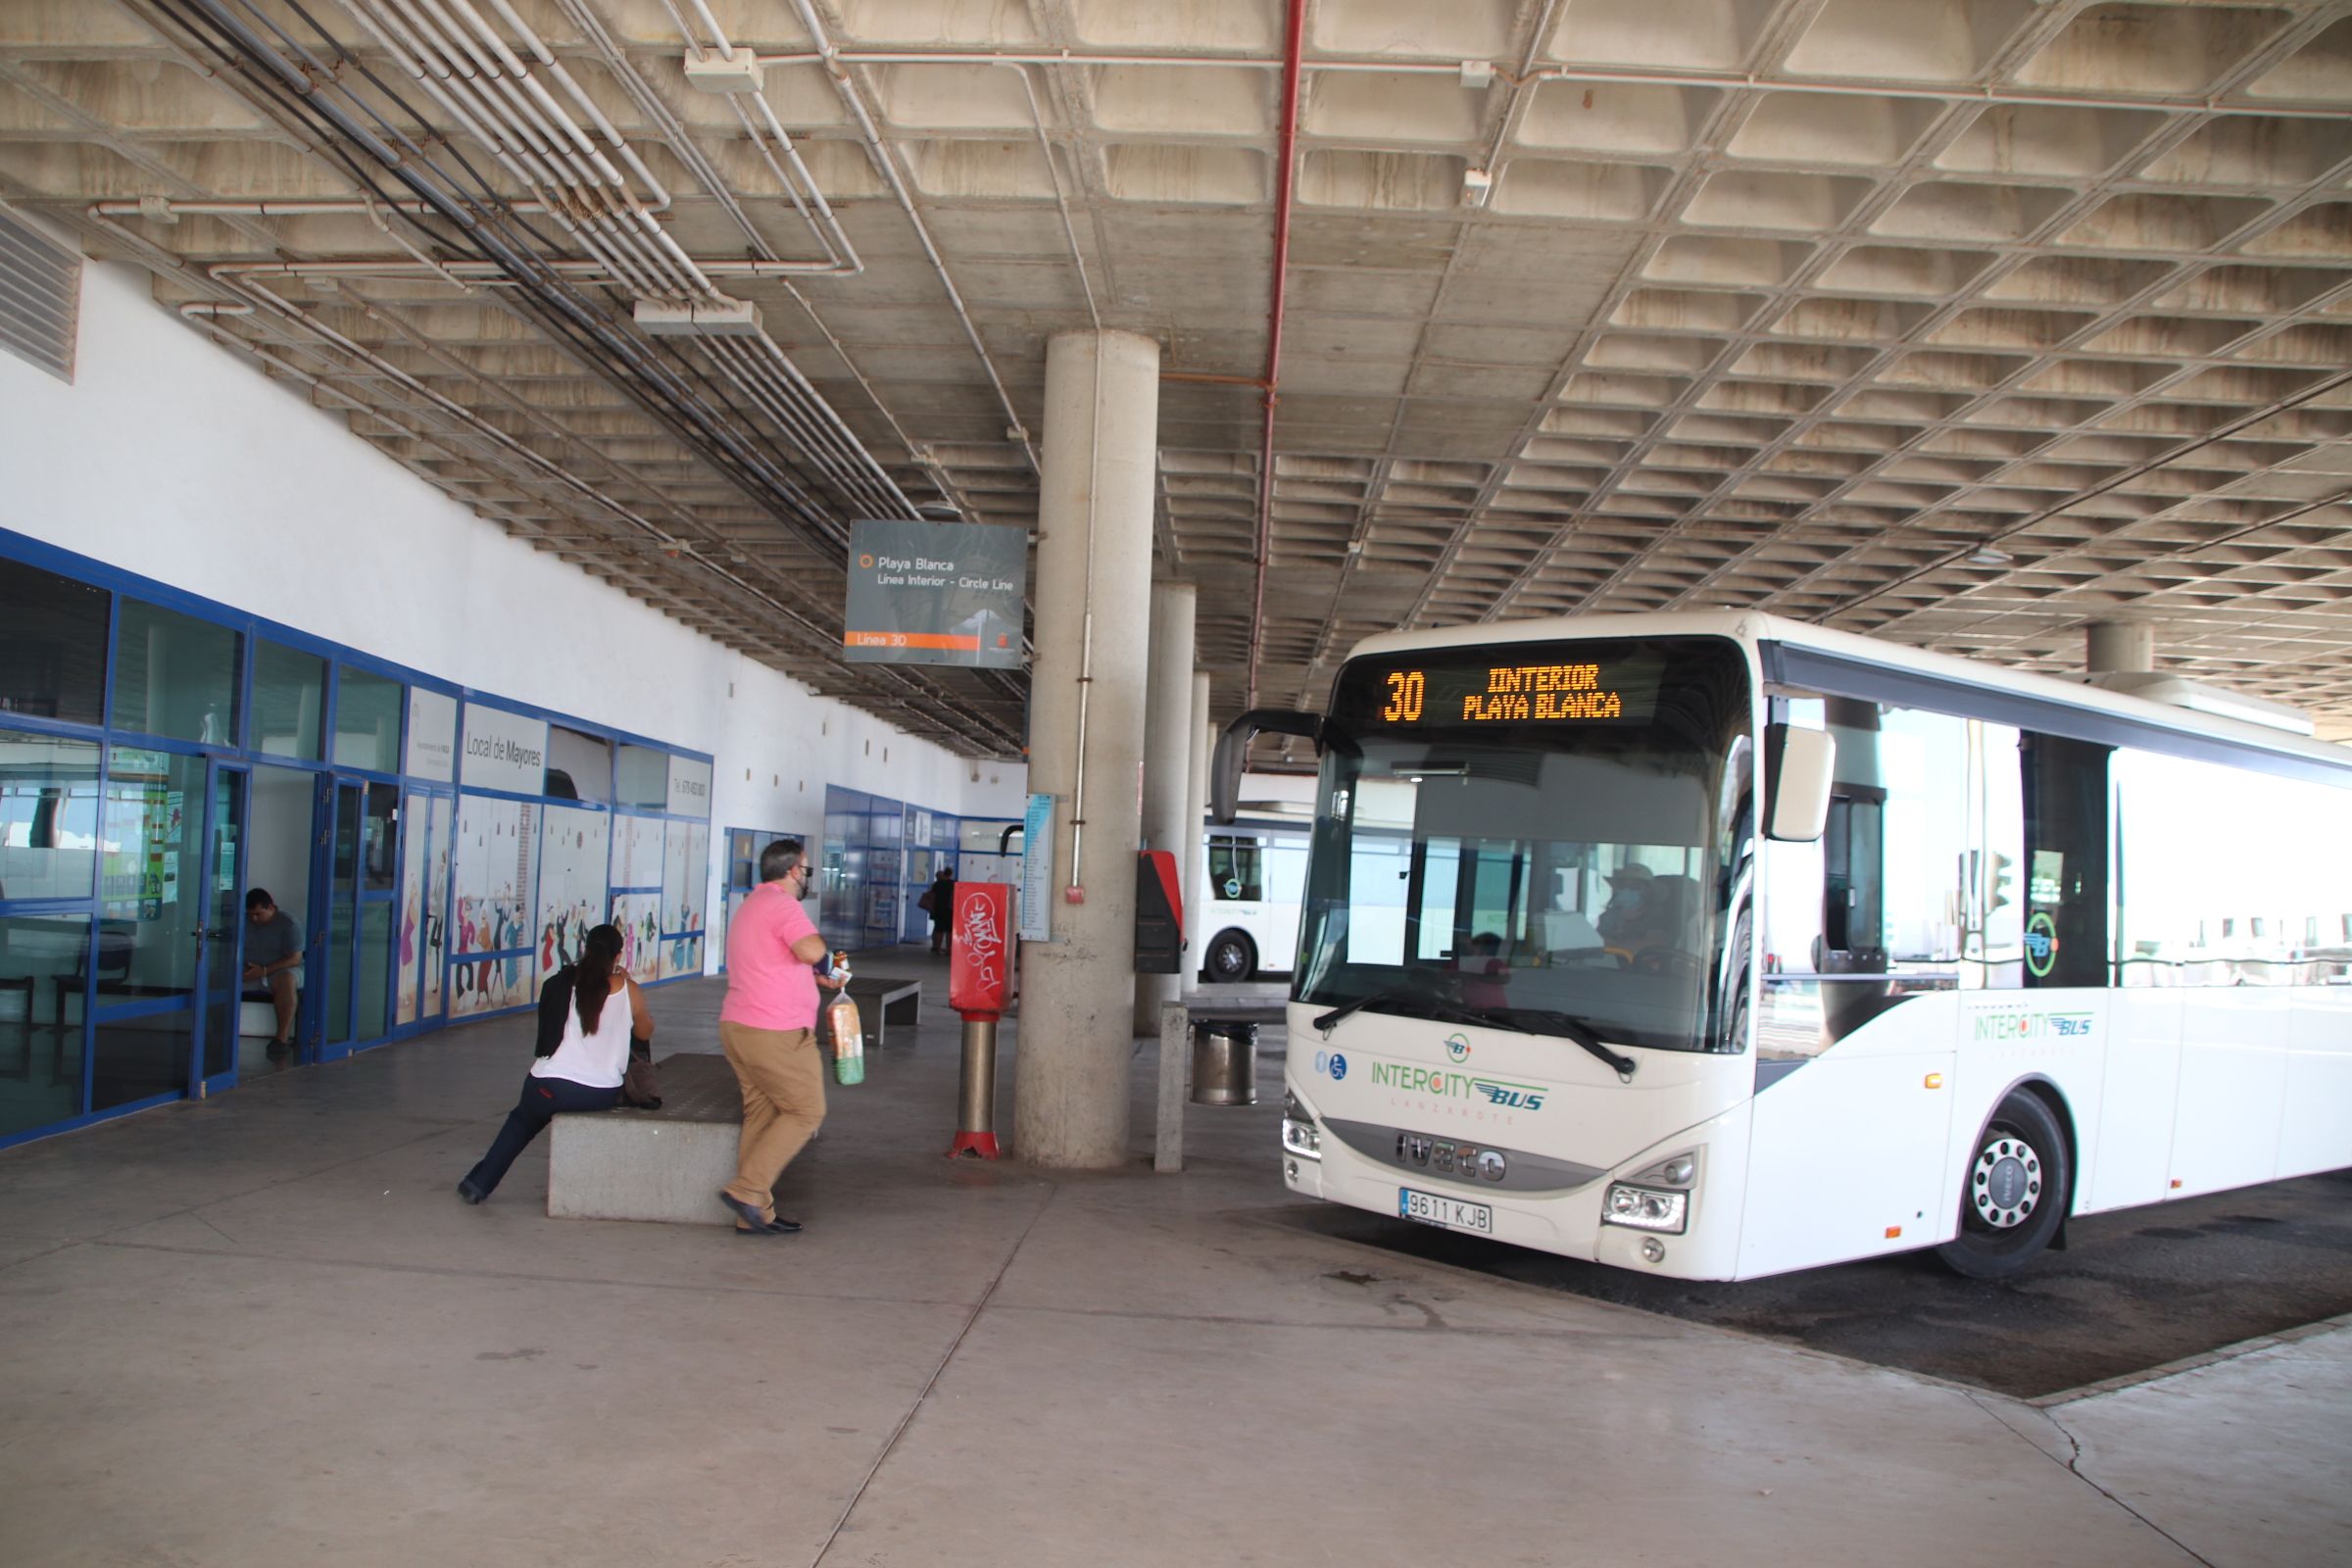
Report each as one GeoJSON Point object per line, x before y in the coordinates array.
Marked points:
{"type": "Point", "coordinates": [1518, 691]}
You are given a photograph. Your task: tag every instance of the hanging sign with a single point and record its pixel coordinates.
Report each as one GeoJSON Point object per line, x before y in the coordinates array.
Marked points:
{"type": "Point", "coordinates": [935, 593]}
{"type": "Point", "coordinates": [433, 736]}
{"type": "Point", "coordinates": [504, 751]}
{"type": "Point", "coordinates": [1037, 870]}
{"type": "Point", "coordinates": [689, 787]}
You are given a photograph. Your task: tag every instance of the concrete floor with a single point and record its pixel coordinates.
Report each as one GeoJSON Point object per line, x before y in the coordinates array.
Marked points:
{"type": "Point", "coordinates": [261, 1330]}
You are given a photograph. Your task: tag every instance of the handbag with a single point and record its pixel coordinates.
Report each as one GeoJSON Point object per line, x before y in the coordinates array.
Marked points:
{"type": "Point", "coordinates": [638, 1085]}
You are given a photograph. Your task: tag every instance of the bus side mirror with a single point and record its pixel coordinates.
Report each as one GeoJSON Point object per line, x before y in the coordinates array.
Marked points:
{"type": "Point", "coordinates": [1798, 763]}
{"type": "Point", "coordinates": [1233, 752]}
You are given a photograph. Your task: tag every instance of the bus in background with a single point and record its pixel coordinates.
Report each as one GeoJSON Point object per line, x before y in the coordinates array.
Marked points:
{"type": "Point", "coordinates": [1255, 872]}
{"type": "Point", "coordinates": [1716, 946]}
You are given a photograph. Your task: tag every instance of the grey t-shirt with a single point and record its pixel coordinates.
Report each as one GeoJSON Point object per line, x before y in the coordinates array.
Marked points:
{"type": "Point", "coordinates": [278, 940]}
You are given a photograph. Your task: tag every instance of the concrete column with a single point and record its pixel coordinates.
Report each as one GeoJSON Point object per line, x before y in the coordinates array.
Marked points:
{"type": "Point", "coordinates": [1167, 764]}
{"type": "Point", "coordinates": [2118, 647]}
{"type": "Point", "coordinates": [1196, 815]}
{"type": "Point", "coordinates": [1086, 744]}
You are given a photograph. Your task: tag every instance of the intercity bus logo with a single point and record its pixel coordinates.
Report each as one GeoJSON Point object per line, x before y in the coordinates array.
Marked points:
{"type": "Point", "coordinates": [1457, 1048]}
{"type": "Point", "coordinates": [2033, 1026]}
{"type": "Point", "coordinates": [1439, 1084]}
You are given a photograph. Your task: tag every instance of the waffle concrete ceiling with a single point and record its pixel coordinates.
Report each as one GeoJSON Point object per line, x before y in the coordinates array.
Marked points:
{"type": "Point", "coordinates": [1965, 322]}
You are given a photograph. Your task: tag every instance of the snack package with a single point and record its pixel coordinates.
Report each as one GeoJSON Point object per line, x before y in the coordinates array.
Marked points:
{"type": "Point", "coordinates": [846, 1029]}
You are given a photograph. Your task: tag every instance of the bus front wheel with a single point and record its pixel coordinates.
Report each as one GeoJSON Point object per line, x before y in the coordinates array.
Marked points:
{"type": "Point", "coordinates": [1231, 957]}
{"type": "Point", "coordinates": [2015, 1193]}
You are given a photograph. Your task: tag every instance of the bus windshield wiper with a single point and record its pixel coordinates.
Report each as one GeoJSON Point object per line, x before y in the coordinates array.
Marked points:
{"type": "Point", "coordinates": [1428, 1006]}
{"type": "Point", "coordinates": [1582, 1033]}
{"type": "Point", "coordinates": [1519, 1020]}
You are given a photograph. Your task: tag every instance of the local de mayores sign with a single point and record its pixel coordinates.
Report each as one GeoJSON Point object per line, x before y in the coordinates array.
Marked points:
{"type": "Point", "coordinates": [935, 593]}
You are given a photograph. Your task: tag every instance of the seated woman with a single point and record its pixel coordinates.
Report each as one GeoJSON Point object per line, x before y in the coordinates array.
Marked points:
{"type": "Point", "coordinates": [583, 1053]}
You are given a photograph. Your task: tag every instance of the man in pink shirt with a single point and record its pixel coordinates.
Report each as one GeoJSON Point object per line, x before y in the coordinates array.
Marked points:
{"type": "Point", "coordinates": [768, 1026]}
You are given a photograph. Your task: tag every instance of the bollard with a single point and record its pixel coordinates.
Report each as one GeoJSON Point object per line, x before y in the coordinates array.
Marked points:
{"type": "Point", "coordinates": [979, 984]}
{"type": "Point", "coordinates": [976, 1100]}
{"type": "Point", "coordinates": [1167, 1147]}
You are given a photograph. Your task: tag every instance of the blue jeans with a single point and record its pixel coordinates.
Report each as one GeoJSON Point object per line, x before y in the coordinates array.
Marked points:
{"type": "Point", "coordinates": [542, 1100]}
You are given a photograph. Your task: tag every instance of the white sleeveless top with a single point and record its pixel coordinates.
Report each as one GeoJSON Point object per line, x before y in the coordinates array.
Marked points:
{"type": "Point", "coordinates": [597, 1060]}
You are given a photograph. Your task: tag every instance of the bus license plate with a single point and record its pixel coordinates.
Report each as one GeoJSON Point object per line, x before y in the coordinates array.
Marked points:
{"type": "Point", "coordinates": [1429, 1209]}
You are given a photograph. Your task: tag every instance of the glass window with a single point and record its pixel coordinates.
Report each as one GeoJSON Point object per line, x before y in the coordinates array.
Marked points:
{"type": "Point", "coordinates": [42, 962]}
{"type": "Point", "coordinates": [48, 816]}
{"type": "Point", "coordinates": [579, 767]}
{"type": "Point", "coordinates": [1234, 872]}
{"type": "Point", "coordinates": [52, 645]}
{"type": "Point", "coordinates": [176, 675]}
{"type": "Point", "coordinates": [2245, 914]}
{"type": "Point", "coordinates": [149, 875]}
{"type": "Point", "coordinates": [1479, 828]}
{"type": "Point", "coordinates": [641, 777]}
{"type": "Point", "coordinates": [289, 692]}
{"type": "Point", "coordinates": [368, 722]}
{"type": "Point", "coordinates": [2066, 862]}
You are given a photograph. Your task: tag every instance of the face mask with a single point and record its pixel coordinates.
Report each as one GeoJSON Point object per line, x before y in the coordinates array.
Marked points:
{"type": "Point", "coordinates": [1631, 898]}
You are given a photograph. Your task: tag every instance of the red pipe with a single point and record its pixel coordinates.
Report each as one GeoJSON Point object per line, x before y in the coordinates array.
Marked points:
{"type": "Point", "coordinates": [1294, 31]}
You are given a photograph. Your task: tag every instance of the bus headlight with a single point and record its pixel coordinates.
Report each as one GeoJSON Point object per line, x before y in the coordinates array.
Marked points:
{"type": "Point", "coordinates": [1644, 1209]}
{"type": "Point", "coordinates": [1299, 1134]}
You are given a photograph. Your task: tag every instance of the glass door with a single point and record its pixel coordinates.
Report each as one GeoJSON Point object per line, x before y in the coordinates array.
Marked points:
{"type": "Point", "coordinates": [340, 922]}
{"type": "Point", "coordinates": [219, 886]}
{"type": "Point", "coordinates": [140, 980]}
{"type": "Point", "coordinates": [361, 873]}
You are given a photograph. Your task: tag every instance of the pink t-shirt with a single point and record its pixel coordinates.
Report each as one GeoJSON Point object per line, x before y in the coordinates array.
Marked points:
{"type": "Point", "coordinates": [767, 988]}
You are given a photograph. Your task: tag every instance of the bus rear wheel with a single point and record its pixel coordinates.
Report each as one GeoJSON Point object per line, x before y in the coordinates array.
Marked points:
{"type": "Point", "coordinates": [2015, 1193]}
{"type": "Point", "coordinates": [1231, 957]}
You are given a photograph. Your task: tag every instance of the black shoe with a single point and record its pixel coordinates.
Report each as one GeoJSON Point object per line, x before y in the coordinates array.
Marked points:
{"type": "Point", "coordinates": [780, 1226]}
{"type": "Point", "coordinates": [754, 1222]}
{"type": "Point", "coordinates": [468, 1192]}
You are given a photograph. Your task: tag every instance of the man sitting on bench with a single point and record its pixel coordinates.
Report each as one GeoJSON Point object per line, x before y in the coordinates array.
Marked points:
{"type": "Point", "coordinates": [273, 954]}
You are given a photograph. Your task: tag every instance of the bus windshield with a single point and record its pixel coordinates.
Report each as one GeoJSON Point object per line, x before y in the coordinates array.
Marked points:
{"type": "Point", "coordinates": [1537, 836]}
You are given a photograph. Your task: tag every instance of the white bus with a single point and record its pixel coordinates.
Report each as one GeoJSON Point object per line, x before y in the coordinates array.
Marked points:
{"type": "Point", "coordinates": [1255, 874]}
{"type": "Point", "coordinates": [1716, 946]}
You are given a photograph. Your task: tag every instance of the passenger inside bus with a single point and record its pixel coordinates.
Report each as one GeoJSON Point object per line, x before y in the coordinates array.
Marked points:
{"type": "Point", "coordinates": [1486, 973]}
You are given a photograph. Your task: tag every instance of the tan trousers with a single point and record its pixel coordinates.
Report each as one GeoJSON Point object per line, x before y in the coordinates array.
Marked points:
{"type": "Point", "coordinates": [783, 1077]}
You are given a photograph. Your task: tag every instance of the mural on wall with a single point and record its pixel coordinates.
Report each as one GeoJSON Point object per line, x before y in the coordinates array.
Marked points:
{"type": "Point", "coordinates": [573, 846]}
{"type": "Point", "coordinates": [437, 905]}
{"type": "Point", "coordinates": [639, 917]}
{"type": "Point", "coordinates": [496, 844]}
{"type": "Point", "coordinates": [685, 887]}
{"type": "Point", "coordinates": [637, 851]}
{"type": "Point", "coordinates": [411, 932]}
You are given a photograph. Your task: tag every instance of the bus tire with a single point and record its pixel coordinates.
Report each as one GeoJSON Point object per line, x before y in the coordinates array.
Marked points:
{"type": "Point", "coordinates": [2015, 1191]}
{"type": "Point", "coordinates": [1231, 957]}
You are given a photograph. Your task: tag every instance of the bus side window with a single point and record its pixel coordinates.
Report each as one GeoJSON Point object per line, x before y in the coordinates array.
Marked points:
{"type": "Point", "coordinates": [2066, 871]}
{"type": "Point", "coordinates": [1235, 872]}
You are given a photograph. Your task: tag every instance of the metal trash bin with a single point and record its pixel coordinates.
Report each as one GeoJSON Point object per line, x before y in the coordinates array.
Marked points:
{"type": "Point", "coordinates": [1224, 1062]}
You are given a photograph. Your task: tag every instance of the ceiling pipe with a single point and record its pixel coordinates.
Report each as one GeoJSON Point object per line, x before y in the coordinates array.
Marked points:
{"type": "Point", "coordinates": [1294, 32]}
{"type": "Point", "coordinates": [879, 151]}
{"type": "Point", "coordinates": [1720, 80]}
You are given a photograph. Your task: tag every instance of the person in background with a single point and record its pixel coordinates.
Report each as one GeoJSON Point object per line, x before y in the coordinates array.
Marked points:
{"type": "Point", "coordinates": [942, 907]}
{"type": "Point", "coordinates": [1626, 918]}
{"type": "Point", "coordinates": [767, 1027]}
{"type": "Point", "coordinates": [273, 954]}
{"type": "Point", "coordinates": [587, 1012]}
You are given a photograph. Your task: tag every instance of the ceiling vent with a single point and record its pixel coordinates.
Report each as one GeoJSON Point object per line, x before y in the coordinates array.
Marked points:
{"type": "Point", "coordinates": [40, 294]}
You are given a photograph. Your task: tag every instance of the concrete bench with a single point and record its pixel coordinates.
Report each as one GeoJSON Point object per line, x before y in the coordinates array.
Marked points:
{"type": "Point", "coordinates": [665, 1164]}
{"type": "Point", "coordinates": [882, 1003]}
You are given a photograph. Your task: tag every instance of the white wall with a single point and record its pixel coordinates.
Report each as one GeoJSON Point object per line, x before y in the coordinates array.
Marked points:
{"type": "Point", "coordinates": [170, 458]}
